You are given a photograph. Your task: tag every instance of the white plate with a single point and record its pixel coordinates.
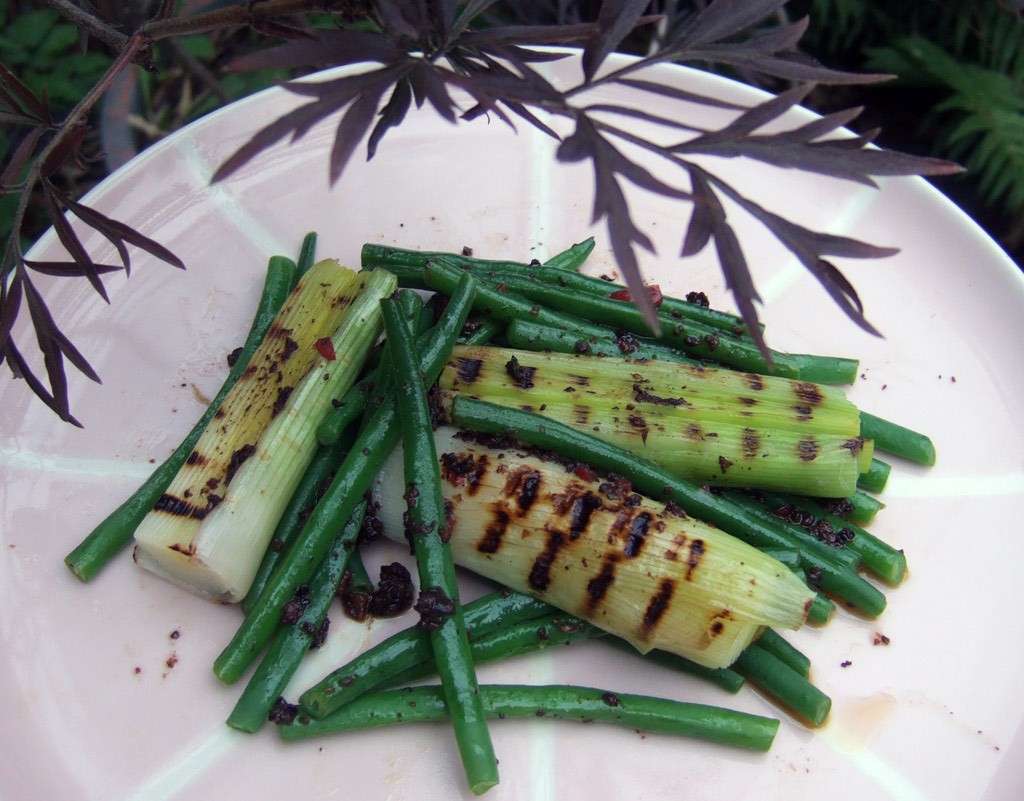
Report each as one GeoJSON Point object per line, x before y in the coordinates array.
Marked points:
{"type": "Point", "coordinates": [94, 709]}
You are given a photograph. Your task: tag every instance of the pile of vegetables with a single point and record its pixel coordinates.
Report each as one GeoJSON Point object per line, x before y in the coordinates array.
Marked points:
{"type": "Point", "coordinates": [677, 493]}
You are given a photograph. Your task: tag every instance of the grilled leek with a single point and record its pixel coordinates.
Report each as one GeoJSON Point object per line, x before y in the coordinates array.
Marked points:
{"type": "Point", "coordinates": [712, 426]}
{"type": "Point", "coordinates": [628, 564]}
{"type": "Point", "coordinates": [210, 529]}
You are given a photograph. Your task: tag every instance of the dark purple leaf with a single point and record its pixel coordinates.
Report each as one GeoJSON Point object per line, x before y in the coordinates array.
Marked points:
{"type": "Point", "coordinates": [640, 114]}
{"type": "Point", "coordinates": [21, 97]}
{"type": "Point", "coordinates": [698, 232]}
{"type": "Point", "coordinates": [352, 127]}
{"type": "Point", "coordinates": [817, 128]}
{"type": "Point", "coordinates": [529, 35]}
{"type": "Point", "coordinates": [790, 66]}
{"type": "Point", "coordinates": [54, 337]}
{"type": "Point", "coordinates": [20, 156]}
{"type": "Point", "coordinates": [64, 149]}
{"type": "Point", "coordinates": [70, 240]}
{"type": "Point", "coordinates": [11, 303]}
{"type": "Point", "coordinates": [757, 116]}
{"type": "Point", "coordinates": [391, 115]}
{"type": "Point", "coordinates": [723, 19]}
{"type": "Point", "coordinates": [615, 21]}
{"type": "Point", "coordinates": [522, 111]}
{"type": "Point", "coordinates": [69, 269]}
{"type": "Point", "coordinates": [279, 30]}
{"type": "Point", "coordinates": [330, 48]}
{"type": "Point", "coordinates": [678, 93]}
{"type": "Point", "coordinates": [115, 231]}
{"type": "Point", "coordinates": [428, 84]}
{"type": "Point", "coordinates": [468, 13]}
{"type": "Point", "coordinates": [394, 21]}
{"type": "Point", "coordinates": [738, 280]}
{"type": "Point", "coordinates": [21, 369]}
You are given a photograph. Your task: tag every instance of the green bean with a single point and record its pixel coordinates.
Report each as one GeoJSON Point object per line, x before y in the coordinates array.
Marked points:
{"type": "Point", "coordinates": [530, 335]}
{"type": "Point", "coordinates": [439, 605]}
{"type": "Point", "coordinates": [790, 557]}
{"type": "Point", "coordinates": [408, 265]}
{"type": "Point", "coordinates": [725, 678]}
{"type": "Point", "coordinates": [407, 649]}
{"type": "Point", "coordinates": [353, 478]}
{"type": "Point", "coordinates": [778, 680]}
{"type": "Point", "coordinates": [641, 713]}
{"type": "Point", "coordinates": [307, 255]}
{"type": "Point", "coordinates": [879, 557]}
{"type": "Point", "coordinates": [821, 610]}
{"type": "Point", "coordinates": [292, 642]}
{"type": "Point", "coordinates": [774, 643]}
{"type": "Point", "coordinates": [486, 330]}
{"type": "Point", "coordinates": [875, 477]}
{"type": "Point", "coordinates": [320, 470]}
{"type": "Point", "coordinates": [527, 637]}
{"type": "Point", "coordinates": [115, 532]}
{"type": "Point", "coordinates": [654, 482]}
{"type": "Point", "coordinates": [573, 258]}
{"type": "Point", "coordinates": [894, 439]}
{"type": "Point", "coordinates": [863, 508]}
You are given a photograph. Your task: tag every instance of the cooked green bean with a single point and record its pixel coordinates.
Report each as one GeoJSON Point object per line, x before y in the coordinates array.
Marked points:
{"type": "Point", "coordinates": [293, 640]}
{"type": "Point", "coordinates": [897, 440]}
{"type": "Point", "coordinates": [353, 478]}
{"type": "Point", "coordinates": [531, 335]}
{"type": "Point", "coordinates": [642, 713]}
{"type": "Point", "coordinates": [439, 604]}
{"type": "Point", "coordinates": [410, 648]}
{"type": "Point", "coordinates": [875, 477]}
{"type": "Point", "coordinates": [725, 678]}
{"type": "Point", "coordinates": [775, 644]}
{"type": "Point", "coordinates": [778, 680]}
{"type": "Point", "coordinates": [115, 532]}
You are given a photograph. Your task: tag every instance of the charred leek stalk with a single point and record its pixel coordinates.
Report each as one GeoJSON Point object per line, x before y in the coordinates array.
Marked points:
{"type": "Point", "coordinates": [627, 564]}
{"type": "Point", "coordinates": [210, 529]}
{"type": "Point", "coordinates": [718, 427]}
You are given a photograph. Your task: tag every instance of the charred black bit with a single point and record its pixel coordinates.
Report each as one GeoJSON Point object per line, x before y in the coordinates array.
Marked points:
{"type": "Point", "coordinates": [435, 405]}
{"type": "Point", "coordinates": [196, 458]}
{"type": "Point", "coordinates": [289, 347]}
{"type": "Point", "coordinates": [467, 251]}
{"type": "Point", "coordinates": [212, 502]}
{"type": "Point", "coordinates": [627, 342]}
{"type": "Point", "coordinates": [521, 375]}
{"type": "Point", "coordinates": [698, 299]}
{"type": "Point", "coordinates": [412, 494]}
{"type": "Point", "coordinates": [723, 464]}
{"type": "Point", "coordinates": [611, 699]}
{"type": "Point", "coordinates": [581, 346]}
{"type": "Point", "coordinates": [317, 634]}
{"type": "Point", "coordinates": [839, 506]}
{"type": "Point", "coordinates": [569, 625]}
{"type": "Point", "coordinates": [232, 357]}
{"type": "Point", "coordinates": [751, 443]}
{"type": "Point", "coordinates": [449, 520]}
{"type": "Point", "coordinates": [372, 528]}
{"type": "Point", "coordinates": [434, 608]}
{"type": "Point", "coordinates": [880, 639]}
{"type": "Point", "coordinates": [754, 381]}
{"type": "Point", "coordinates": [293, 609]}
{"type": "Point", "coordinates": [598, 586]}
{"type": "Point", "coordinates": [463, 470]}
{"type": "Point", "coordinates": [712, 342]}
{"type": "Point", "coordinates": [802, 412]}
{"type": "Point", "coordinates": [237, 459]}
{"type": "Point", "coordinates": [394, 592]}
{"type": "Point", "coordinates": [691, 341]}
{"type": "Point", "coordinates": [616, 487]}
{"type": "Point", "coordinates": [528, 489]}
{"type": "Point", "coordinates": [674, 509]}
{"type": "Point", "coordinates": [282, 713]}
{"type": "Point", "coordinates": [643, 396]}
{"type": "Point", "coordinates": [854, 446]}
{"type": "Point", "coordinates": [468, 370]}
{"type": "Point", "coordinates": [821, 528]}
{"type": "Point", "coordinates": [283, 393]}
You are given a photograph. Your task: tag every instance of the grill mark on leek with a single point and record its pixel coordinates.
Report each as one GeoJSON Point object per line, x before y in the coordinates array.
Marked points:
{"type": "Point", "coordinates": [467, 369]}
{"type": "Point", "coordinates": [582, 509]}
{"type": "Point", "coordinates": [598, 586]}
{"type": "Point", "coordinates": [694, 557]}
{"type": "Point", "coordinates": [659, 604]}
{"type": "Point", "coordinates": [637, 535]}
{"type": "Point", "coordinates": [494, 532]}
{"type": "Point", "coordinates": [808, 393]}
{"type": "Point", "coordinates": [540, 573]}
{"type": "Point", "coordinates": [807, 450]}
